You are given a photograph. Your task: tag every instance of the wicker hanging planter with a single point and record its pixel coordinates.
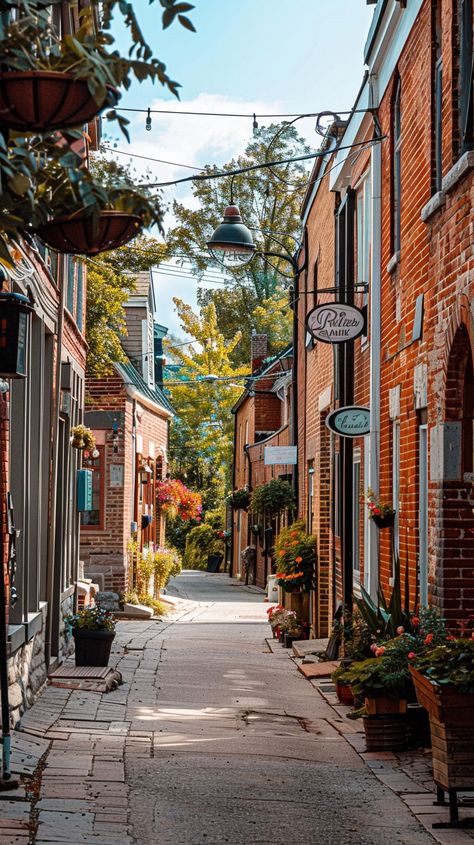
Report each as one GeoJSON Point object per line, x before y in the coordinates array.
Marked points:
{"type": "Point", "coordinates": [42, 100]}
{"type": "Point", "coordinates": [79, 234]}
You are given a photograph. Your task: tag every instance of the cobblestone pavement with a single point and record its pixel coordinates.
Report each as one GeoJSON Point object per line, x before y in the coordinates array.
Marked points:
{"type": "Point", "coordinates": [212, 738]}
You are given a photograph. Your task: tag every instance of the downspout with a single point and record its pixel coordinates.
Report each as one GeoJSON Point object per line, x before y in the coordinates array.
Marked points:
{"type": "Point", "coordinates": [348, 399]}
{"type": "Point", "coordinates": [54, 475]}
{"type": "Point", "coordinates": [232, 531]}
{"type": "Point", "coordinates": [372, 575]}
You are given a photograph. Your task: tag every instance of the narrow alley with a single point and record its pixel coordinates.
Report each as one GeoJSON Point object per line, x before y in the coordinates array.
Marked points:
{"type": "Point", "coordinates": [212, 738]}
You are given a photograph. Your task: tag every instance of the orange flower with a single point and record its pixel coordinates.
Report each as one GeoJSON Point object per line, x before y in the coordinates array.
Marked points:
{"type": "Point", "coordinates": [282, 553]}
{"type": "Point", "coordinates": [298, 559]}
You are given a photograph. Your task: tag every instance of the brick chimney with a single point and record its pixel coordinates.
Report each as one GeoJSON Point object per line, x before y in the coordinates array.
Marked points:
{"type": "Point", "coordinates": [258, 350]}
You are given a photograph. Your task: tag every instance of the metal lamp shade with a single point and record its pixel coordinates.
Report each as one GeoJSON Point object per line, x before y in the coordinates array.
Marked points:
{"type": "Point", "coordinates": [42, 101]}
{"type": "Point", "coordinates": [232, 243]}
{"type": "Point", "coordinates": [81, 235]}
{"type": "Point", "coordinates": [15, 311]}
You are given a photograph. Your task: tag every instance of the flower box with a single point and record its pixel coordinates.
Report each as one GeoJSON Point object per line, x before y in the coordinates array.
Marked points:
{"type": "Point", "coordinates": [444, 703]}
{"type": "Point", "coordinates": [384, 705]}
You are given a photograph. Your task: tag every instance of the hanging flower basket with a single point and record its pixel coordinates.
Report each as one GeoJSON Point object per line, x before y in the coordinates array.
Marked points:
{"type": "Point", "coordinates": [386, 521]}
{"type": "Point", "coordinates": [82, 438]}
{"type": "Point", "coordinates": [42, 101]}
{"type": "Point", "coordinates": [79, 234]}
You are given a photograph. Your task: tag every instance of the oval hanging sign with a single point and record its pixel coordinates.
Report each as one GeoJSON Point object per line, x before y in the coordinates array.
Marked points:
{"type": "Point", "coordinates": [351, 421]}
{"type": "Point", "coordinates": [334, 322]}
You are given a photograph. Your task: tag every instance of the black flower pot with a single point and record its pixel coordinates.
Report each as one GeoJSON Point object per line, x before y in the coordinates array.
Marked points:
{"type": "Point", "coordinates": [92, 647]}
{"type": "Point", "coordinates": [386, 521]}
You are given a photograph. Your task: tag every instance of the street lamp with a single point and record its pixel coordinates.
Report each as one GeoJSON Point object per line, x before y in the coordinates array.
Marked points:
{"type": "Point", "coordinates": [232, 246]}
{"type": "Point", "coordinates": [232, 243]}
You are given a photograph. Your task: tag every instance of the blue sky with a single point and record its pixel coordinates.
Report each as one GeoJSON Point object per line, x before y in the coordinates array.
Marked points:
{"type": "Point", "coordinates": [285, 56]}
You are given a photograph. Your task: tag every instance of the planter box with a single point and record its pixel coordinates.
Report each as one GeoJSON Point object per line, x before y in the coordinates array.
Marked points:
{"type": "Point", "coordinates": [384, 521]}
{"type": "Point", "coordinates": [443, 703]}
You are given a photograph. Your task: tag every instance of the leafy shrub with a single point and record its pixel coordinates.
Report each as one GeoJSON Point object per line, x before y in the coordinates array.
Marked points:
{"type": "Point", "coordinates": [295, 552]}
{"type": "Point", "coordinates": [201, 542]}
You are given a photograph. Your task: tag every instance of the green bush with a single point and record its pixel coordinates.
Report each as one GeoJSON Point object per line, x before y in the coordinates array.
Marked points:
{"type": "Point", "coordinates": [201, 542]}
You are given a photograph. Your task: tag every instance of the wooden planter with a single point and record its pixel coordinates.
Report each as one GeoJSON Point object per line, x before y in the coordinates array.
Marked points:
{"type": "Point", "coordinates": [452, 740]}
{"type": "Point", "coordinates": [385, 732]}
{"type": "Point", "coordinates": [384, 705]}
{"type": "Point", "coordinates": [42, 101]}
{"type": "Point", "coordinates": [80, 235]}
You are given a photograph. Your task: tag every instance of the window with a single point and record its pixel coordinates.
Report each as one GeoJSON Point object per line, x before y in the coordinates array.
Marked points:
{"type": "Point", "coordinates": [310, 496]}
{"type": "Point", "coordinates": [466, 76]}
{"type": "Point", "coordinates": [95, 518]}
{"type": "Point", "coordinates": [337, 495]}
{"type": "Point", "coordinates": [356, 515]}
{"type": "Point", "coordinates": [71, 270]}
{"type": "Point", "coordinates": [80, 295]}
{"type": "Point", "coordinates": [396, 484]}
{"type": "Point", "coordinates": [396, 166]}
{"type": "Point", "coordinates": [438, 101]}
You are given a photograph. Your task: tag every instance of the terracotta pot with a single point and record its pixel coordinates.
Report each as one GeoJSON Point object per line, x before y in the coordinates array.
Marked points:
{"type": "Point", "coordinates": [79, 236]}
{"type": "Point", "coordinates": [344, 693]}
{"type": "Point", "coordinates": [42, 101]}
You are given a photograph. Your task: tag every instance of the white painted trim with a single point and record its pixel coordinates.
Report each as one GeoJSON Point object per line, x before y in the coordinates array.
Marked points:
{"type": "Point", "coordinates": [135, 393]}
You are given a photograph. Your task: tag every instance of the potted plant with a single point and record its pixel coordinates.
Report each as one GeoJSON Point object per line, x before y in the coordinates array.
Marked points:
{"type": "Point", "coordinates": [343, 686]}
{"type": "Point", "coordinates": [381, 513]}
{"type": "Point", "coordinates": [239, 499]}
{"type": "Point", "coordinates": [272, 498]}
{"type": "Point", "coordinates": [82, 438]}
{"type": "Point", "coordinates": [295, 551]}
{"type": "Point", "coordinates": [276, 616]}
{"type": "Point", "coordinates": [444, 684]}
{"type": "Point", "coordinates": [51, 82]}
{"type": "Point", "coordinates": [93, 629]}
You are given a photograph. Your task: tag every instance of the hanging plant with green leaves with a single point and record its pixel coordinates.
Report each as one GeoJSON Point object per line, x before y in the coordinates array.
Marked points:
{"type": "Point", "coordinates": [42, 173]}
{"type": "Point", "coordinates": [272, 498]}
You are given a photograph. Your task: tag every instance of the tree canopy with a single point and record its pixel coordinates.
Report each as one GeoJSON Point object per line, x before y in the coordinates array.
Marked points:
{"type": "Point", "coordinates": [269, 200]}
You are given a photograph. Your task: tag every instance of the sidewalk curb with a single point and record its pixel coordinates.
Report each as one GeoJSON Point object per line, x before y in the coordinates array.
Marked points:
{"type": "Point", "coordinates": [385, 765]}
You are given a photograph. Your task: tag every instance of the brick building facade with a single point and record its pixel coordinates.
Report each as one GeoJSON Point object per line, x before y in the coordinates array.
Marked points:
{"type": "Point", "coordinates": [130, 417]}
{"type": "Point", "coordinates": [262, 418]}
{"type": "Point", "coordinates": [395, 216]}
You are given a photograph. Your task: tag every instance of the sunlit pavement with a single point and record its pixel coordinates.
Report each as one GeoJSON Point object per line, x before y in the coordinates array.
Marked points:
{"type": "Point", "coordinates": [212, 738]}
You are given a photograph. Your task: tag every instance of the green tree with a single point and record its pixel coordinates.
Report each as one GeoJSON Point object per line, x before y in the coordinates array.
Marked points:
{"type": "Point", "coordinates": [203, 402]}
{"type": "Point", "coordinates": [269, 200]}
{"type": "Point", "coordinates": [110, 280]}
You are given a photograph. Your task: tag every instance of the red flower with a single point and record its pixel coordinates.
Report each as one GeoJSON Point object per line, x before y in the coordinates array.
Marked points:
{"type": "Point", "coordinates": [428, 639]}
{"type": "Point", "coordinates": [415, 621]}
{"type": "Point", "coordinates": [376, 511]}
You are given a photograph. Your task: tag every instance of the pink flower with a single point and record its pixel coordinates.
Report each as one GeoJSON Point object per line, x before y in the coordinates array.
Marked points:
{"type": "Point", "coordinates": [379, 651]}
{"type": "Point", "coordinates": [411, 655]}
{"type": "Point", "coordinates": [400, 629]}
{"type": "Point", "coordinates": [374, 647]}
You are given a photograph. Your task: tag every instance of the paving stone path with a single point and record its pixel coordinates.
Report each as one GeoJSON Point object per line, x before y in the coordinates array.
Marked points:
{"type": "Point", "coordinates": [214, 737]}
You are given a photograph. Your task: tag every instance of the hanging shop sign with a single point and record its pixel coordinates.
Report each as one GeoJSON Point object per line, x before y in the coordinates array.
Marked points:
{"type": "Point", "coordinates": [334, 322]}
{"type": "Point", "coordinates": [351, 421]}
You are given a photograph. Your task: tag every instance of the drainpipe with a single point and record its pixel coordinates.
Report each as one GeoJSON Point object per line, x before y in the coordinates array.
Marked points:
{"type": "Point", "coordinates": [50, 580]}
{"type": "Point", "coordinates": [372, 575]}
{"type": "Point", "coordinates": [232, 532]}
